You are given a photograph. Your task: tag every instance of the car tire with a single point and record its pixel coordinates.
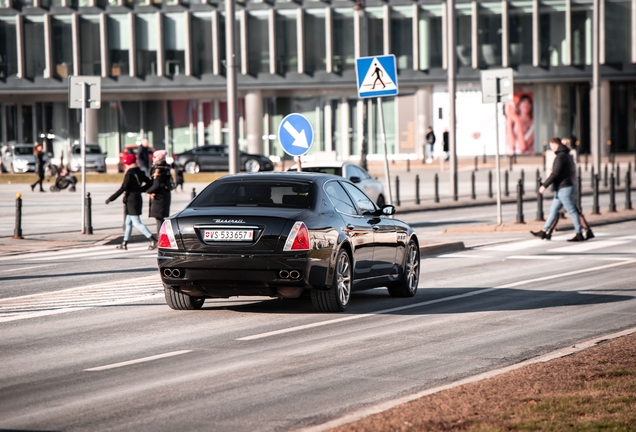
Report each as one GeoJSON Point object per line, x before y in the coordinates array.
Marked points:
{"type": "Point", "coordinates": [381, 201]}
{"type": "Point", "coordinates": [192, 167]}
{"type": "Point", "coordinates": [180, 301]}
{"type": "Point", "coordinates": [337, 298]}
{"type": "Point", "coordinates": [408, 286]}
{"type": "Point", "coordinates": [252, 165]}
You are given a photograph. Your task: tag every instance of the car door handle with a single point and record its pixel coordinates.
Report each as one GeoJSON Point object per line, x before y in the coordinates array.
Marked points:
{"type": "Point", "coordinates": [376, 227]}
{"type": "Point", "coordinates": [350, 226]}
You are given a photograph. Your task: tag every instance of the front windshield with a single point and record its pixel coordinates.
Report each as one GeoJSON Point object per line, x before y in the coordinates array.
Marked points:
{"type": "Point", "coordinates": [23, 151]}
{"type": "Point", "coordinates": [89, 150]}
{"type": "Point", "coordinates": [262, 193]}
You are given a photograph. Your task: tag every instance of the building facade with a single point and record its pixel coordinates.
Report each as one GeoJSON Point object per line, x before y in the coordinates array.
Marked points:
{"type": "Point", "coordinates": [163, 72]}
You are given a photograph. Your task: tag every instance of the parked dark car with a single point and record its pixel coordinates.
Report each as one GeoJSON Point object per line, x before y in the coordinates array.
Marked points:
{"type": "Point", "coordinates": [215, 158]}
{"type": "Point", "coordinates": [280, 235]}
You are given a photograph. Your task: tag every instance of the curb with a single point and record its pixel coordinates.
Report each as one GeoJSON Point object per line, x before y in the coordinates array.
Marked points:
{"type": "Point", "coordinates": [385, 406]}
{"type": "Point", "coordinates": [440, 248]}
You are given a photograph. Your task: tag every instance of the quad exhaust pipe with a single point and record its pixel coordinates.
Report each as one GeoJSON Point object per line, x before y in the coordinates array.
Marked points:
{"type": "Point", "coordinates": [172, 273]}
{"type": "Point", "coordinates": [293, 274]}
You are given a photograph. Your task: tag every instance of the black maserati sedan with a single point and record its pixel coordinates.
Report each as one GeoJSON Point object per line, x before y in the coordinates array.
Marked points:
{"type": "Point", "coordinates": [214, 157]}
{"type": "Point", "coordinates": [281, 235]}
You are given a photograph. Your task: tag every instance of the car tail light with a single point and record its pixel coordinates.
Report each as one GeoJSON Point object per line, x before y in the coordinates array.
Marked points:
{"type": "Point", "coordinates": [298, 238]}
{"type": "Point", "coordinates": [166, 236]}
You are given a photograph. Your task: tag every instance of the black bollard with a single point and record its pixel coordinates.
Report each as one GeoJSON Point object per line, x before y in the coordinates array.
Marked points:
{"type": "Point", "coordinates": [612, 193]}
{"type": "Point", "coordinates": [618, 174]}
{"type": "Point", "coordinates": [473, 193]}
{"type": "Point", "coordinates": [489, 184]}
{"type": "Point", "coordinates": [628, 190]}
{"type": "Point", "coordinates": [17, 231]}
{"type": "Point", "coordinates": [456, 192]}
{"type": "Point", "coordinates": [417, 189]}
{"type": "Point", "coordinates": [510, 160]}
{"type": "Point", "coordinates": [585, 162]}
{"type": "Point", "coordinates": [436, 183]}
{"type": "Point", "coordinates": [87, 212]}
{"type": "Point", "coordinates": [485, 159]}
{"type": "Point", "coordinates": [520, 202]}
{"type": "Point", "coordinates": [592, 178]}
{"type": "Point", "coordinates": [476, 163]}
{"type": "Point", "coordinates": [629, 170]}
{"type": "Point", "coordinates": [595, 207]}
{"type": "Point", "coordinates": [523, 182]}
{"type": "Point", "coordinates": [540, 215]}
{"type": "Point", "coordinates": [506, 188]}
{"type": "Point", "coordinates": [397, 190]}
{"type": "Point", "coordinates": [605, 178]}
{"type": "Point", "coordinates": [193, 194]}
{"type": "Point", "coordinates": [408, 165]}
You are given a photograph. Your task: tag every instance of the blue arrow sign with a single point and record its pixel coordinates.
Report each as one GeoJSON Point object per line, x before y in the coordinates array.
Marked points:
{"type": "Point", "coordinates": [296, 134]}
{"type": "Point", "coordinates": [376, 76]}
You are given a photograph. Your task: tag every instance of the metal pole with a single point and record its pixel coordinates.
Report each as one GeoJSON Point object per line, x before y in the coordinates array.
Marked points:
{"type": "Point", "coordinates": [17, 232]}
{"type": "Point", "coordinates": [417, 189]}
{"type": "Point", "coordinates": [596, 86]}
{"type": "Point", "coordinates": [489, 184]}
{"type": "Point", "coordinates": [397, 191]}
{"type": "Point", "coordinates": [628, 190]}
{"type": "Point", "coordinates": [232, 102]}
{"type": "Point", "coordinates": [612, 185]}
{"type": "Point", "coordinates": [89, 216]}
{"type": "Point", "coordinates": [519, 203]}
{"type": "Point", "coordinates": [452, 56]}
{"type": "Point", "coordinates": [473, 193]}
{"type": "Point", "coordinates": [436, 188]}
{"type": "Point", "coordinates": [83, 146]}
{"type": "Point", "coordinates": [540, 215]}
{"type": "Point", "coordinates": [497, 167]}
{"type": "Point", "coordinates": [386, 153]}
{"type": "Point", "coordinates": [595, 206]}
{"type": "Point", "coordinates": [507, 190]}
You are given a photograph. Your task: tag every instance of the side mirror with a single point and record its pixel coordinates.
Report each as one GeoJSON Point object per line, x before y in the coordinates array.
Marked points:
{"type": "Point", "coordinates": [388, 210]}
{"type": "Point", "coordinates": [354, 179]}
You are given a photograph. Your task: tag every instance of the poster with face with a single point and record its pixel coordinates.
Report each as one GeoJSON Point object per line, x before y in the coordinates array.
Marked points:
{"type": "Point", "coordinates": [520, 123]}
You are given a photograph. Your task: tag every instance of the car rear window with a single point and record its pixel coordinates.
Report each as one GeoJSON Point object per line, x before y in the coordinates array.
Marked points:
{"type": "Point", "coordinates": [24, 150]}
{"type": "Point", "coordinates": [284, 194]}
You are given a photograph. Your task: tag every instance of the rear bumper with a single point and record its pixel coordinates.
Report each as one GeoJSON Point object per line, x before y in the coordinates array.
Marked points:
{"type": "Point", "coordinates": [216, 275]}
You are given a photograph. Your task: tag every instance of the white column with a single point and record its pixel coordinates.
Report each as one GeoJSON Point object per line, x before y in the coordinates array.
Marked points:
{"type": "Point", "coordinates": [423, 118]}
{"type": "Point", "coordinates": [243, 41]}
{"type": "Point", "coordinates": [474, 35]}
{"type": "Point", "coordinates": [444, 36]}
{"type": "Point", "coordinates": [605, 118]}
{"type": "Point", "coordinates": [19, 26]}
{"type": "Point", "coordinates": [48, 52]}
{"type": "Point", "coordinates": [344, 130]}
{"type": "Point", "coordinates": [200, 124]}
{"type": "Point", "coordinates": [328, 127]}
{"type": "Point", "coordinates": [602, 32]}
{"type": "Point", "coordinates": [386, 27]}
{"type": "Point", "coordinates": [76, 53]}
{"type": "Point", "coordinates": [188, 48]}
{"type": "Point", "coordinates": [329, 38]}
{"type": "Point", "coordinates": [536, 49]}
{"type": "Point", "coordinates": [359, 126]}
{"type": "Point", "coordinates": [568, 33]}
{"type": "Point", "coordinates": [416, 37]}
{"type": "Point", "coordinates": [133, 46]}
{"type": "Point", "coordinates": [216, 52]}
{"type": "Point", "coordinates": [358, 49]}
{"type": "Point", "coordinates": [217, 134]}
{"type": "Point", "coordinates": [254, 121]}
{"type": "Point", "coordinates": [160, 54]}
{"type": "Point", "coordinates": [505, 20]}
{"type": "Point", "coordinates": [103, 44]}
{"type": "Point", "coordinates": [300, 39]}
{"type": "Point", "coordinates": [272, 41]}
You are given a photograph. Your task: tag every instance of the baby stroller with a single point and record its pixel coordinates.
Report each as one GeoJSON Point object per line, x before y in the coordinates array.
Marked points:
{"type": "Point", "coordinates": [63, 180]}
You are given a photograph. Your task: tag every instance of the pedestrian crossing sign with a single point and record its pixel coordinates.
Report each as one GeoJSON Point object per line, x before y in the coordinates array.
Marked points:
{"type": "Point", "coordinates": [376, 76]}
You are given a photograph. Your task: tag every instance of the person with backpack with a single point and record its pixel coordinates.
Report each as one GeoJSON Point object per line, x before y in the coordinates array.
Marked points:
{"type": "Point", "coordinates": [134, 184]}
{"type": "Point", "coordinates": [160, 191]}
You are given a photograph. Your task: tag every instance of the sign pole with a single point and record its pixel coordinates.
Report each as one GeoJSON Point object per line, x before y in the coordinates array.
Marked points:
{"type": "Point", "coordinates": [300, 167]}
{"type": "Point", "coordinates": [83, 146]}
{"type": "Point", "coordinates": [386, 153]}
{"type": "Point", "coordinates": [497, 168]}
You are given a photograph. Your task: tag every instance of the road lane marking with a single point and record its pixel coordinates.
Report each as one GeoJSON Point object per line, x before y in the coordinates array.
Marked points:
{"type": "Point", "coordinates": [535, 257]}
{"type": "Point", "coordinates": [430, 302]}
{"type": "Point", "coordinates": [26, 268]}
{"type": "Point", "coordinates": [82, 254]}
{"type": "Point", "coordinates": [510, 247]}
{"type": "Point", "coordinates": [588, 246]}
{"type": "Point", "coordinates": [463, 256]}
{"type": "Point", "coordinates": [140, 360]}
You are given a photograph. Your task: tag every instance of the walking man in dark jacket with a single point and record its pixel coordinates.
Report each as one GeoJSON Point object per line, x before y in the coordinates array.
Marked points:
{"type": "Point", "coordinates": [135, 182]}
{"type": "Point", "coordinates": [159, 192]}
{"type": "Point", "coordinates": [563, 171]}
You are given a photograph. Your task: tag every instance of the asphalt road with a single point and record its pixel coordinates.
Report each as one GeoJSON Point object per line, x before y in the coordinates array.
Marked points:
{"type": "Point", "coordinates": [93, 347]}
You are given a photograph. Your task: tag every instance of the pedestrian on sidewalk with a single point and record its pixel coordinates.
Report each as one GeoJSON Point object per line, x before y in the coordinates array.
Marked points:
{"type": "Point", "coordinates": [39, 166]}
{"type": "Point", "coordinates": [563, 173]}
{"type": "Point", "coordinates": [159, 192]}
{"type": "Point", "coordinates": [143, 156]}
{"type": "Point", "coordinates": [179, 171]}
{"type": "Point", "coordinates": [445, 144]}
{"type": "Point", "coordinates": [430, 144]}
{"type": "Point", "coordinates": [135, 182]}
{"type": "Point", "coordinates": [585, 226]}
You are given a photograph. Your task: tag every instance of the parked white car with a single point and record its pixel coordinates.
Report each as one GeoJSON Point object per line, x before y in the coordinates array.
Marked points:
{"type": "Point", "coordinates": [372, 187]}
{"type": "Point", "coordinates": [95, 158]}
{"type": "Point", "coordinates": [18, 158]}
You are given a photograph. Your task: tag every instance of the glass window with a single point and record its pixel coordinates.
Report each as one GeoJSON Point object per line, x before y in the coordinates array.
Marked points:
{"type": "Point", "coordinates": [12, 124]}
{"type": "Point", "coordinates": [286, 41]}
{"type": "Point", "coordinates": [90, 47]}
{"type": "Point", "coordinates": [174, 43]}
{"type": "Point", "coordinates": [339, 198]}
{"type": "Point", "coordinates": [118, 44]}
{"type": "Point", "coordinates": [520, 33]}
{"type": "Point", "coordinates": [34, 47]}
{"type": "Point", "coordinates": [430, 33]}
{"type": "Point", "coordinates": [343, 41]}
{"type": "Point", "coordinates": [202, 44]}
{"type": "Point", "coordinates": [258, 42]}
{"type": "Point", "coordinates": [8, 48]}
{"type": "Point", "coordinates": [315, 40]}
{"type": "Point", "coordinates": [108, 128]}
{"type": "Point", "coordinates": [402, 36]}
{"type": "Point", "coordinates": [146, 44]}
{"type": "Point", "coordinates": [375, 30]}
{"type": "Point", "coordinates": [62, 46]}
{"type": "Point", "coordinates": [618, 27]}
{"type": "Point", "coordinates": [582, 32]}
{"type": "Point", "coordinates": [268, 193]}
{"type": "Point", "coordinates": [362, 201]}
{"type": "Point", "coordinates": [489, 34]}
{"type": "Point", "coordinates": [463, 35]}
{"type": "Point", "coordinates": [552, 40]}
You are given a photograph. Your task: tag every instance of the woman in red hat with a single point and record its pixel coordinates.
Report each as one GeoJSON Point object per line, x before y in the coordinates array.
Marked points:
{"type": "Point", "coordinates": [135, 183]}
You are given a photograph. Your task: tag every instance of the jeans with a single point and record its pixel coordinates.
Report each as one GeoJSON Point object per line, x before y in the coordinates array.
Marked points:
{"type": "Point", "coordinates": [564, 197]}
{"type": "Point", "coordinates": [429, 150]}
{"type": "Point", "coordinates": [136, 221]}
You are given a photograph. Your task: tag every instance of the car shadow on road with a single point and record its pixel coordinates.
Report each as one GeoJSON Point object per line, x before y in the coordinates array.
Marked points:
{"type": "Point", "coordinates": [431, 301]}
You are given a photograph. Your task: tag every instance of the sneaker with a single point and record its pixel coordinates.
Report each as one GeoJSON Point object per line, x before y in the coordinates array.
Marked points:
{"type": "Point", "coordinates": [153, 243]}
{"type": "Point", "coordinates": [123, 246]}
{"type": "Point", "coordinates": [577, 238]}
{"type": "Point", "coordinates": [541, 234]}
{"type": "Point", "coordinates": [548, 236]}
{"type": "Point", "coordinates": [589, 234]}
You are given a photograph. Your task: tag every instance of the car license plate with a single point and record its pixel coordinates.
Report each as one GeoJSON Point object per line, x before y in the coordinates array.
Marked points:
{"type": "Point", "coordinates": [228, 235]}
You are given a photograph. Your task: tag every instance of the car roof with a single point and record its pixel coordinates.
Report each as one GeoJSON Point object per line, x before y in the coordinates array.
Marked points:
{"type": "Point", "coordinates": [326, 164]}
{"type": "Point", "coordinates": [281, 175]}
